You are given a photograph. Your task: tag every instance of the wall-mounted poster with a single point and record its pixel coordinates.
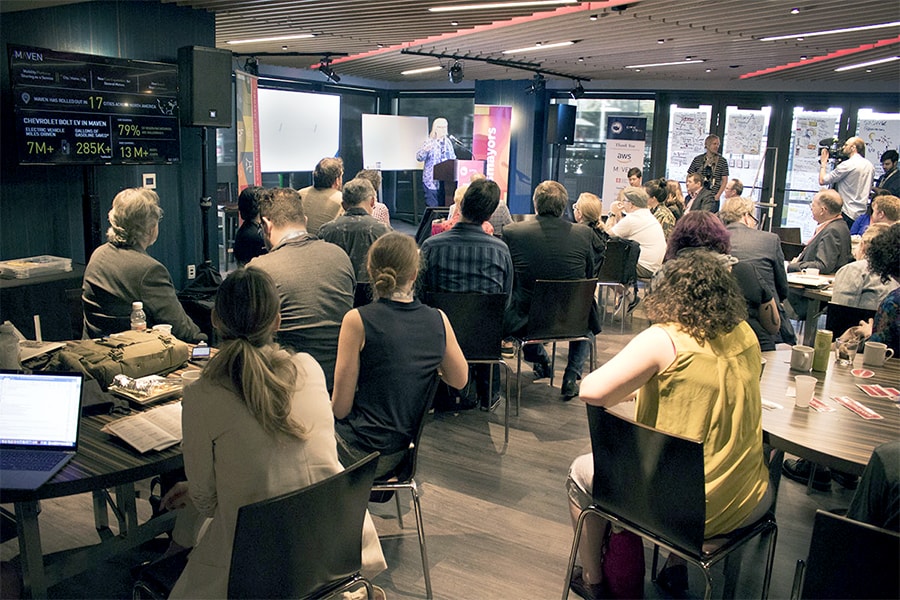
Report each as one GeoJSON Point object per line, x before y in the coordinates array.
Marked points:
{"type": "Point", "coordinates": [688, 128]}
{"type": "Point", "coordinates": [880, 133]}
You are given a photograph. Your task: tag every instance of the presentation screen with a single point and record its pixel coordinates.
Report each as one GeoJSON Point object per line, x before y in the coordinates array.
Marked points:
{"type": "Point", "coordinates": [390, 142]}
{"type": "Point", "coordinates": [297, 129]}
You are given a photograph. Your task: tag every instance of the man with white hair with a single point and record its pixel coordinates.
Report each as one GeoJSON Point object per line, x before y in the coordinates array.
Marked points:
{"type": "Point", "coordinates": [852, 178]}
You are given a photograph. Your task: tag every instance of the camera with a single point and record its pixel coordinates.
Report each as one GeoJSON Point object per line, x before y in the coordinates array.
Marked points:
{"type": "Point", "coordinates": [835, 149]}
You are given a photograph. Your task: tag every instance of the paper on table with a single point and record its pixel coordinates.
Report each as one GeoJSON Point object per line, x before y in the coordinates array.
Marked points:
{"type": "Point", "coordinates": [155, 429]}
{"type": "Point", "coordinates": [768, 404]}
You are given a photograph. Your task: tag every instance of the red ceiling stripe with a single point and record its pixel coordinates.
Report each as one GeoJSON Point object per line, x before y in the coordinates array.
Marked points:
{"type": "Point", "coordinates": [824, 57]}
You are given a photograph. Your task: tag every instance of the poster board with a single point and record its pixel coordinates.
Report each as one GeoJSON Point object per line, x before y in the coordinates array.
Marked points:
{"type": "Point", "coordinates": [390, 142]}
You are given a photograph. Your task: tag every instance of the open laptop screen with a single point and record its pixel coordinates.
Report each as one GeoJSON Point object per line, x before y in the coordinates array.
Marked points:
{"type": "Point", "coordinates": [40, 410]}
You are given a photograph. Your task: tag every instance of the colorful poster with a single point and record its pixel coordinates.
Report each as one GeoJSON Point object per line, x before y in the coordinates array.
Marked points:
{"type": "Point", "coordinates": [880, 135]}
{"type": "Point", "coordinates": [808, 132]}
{"type": "Point", "coordinates": [492, 131]}
{"type": "Point", "coordinates": [688, 128]}
{"type": "Point", "coordinates": [625, 141]}
{"type": "Point", "coordinates": [247, 121]}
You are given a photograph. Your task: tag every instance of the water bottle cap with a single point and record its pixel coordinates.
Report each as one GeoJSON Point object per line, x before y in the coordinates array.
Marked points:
{"type": "Point", "coordinates": [137, 306]}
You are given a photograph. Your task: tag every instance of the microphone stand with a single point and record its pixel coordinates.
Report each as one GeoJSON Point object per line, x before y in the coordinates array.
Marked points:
{"type": "Point", "coordinates": [455, 141]}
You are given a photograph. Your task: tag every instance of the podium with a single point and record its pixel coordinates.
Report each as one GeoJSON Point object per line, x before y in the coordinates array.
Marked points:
{"type": "Point", "coordinates": [454, 172]}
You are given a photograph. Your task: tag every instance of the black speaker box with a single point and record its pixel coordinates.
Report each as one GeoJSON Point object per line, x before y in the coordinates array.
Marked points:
{"type": "Point", "coordinates": [204, 86]}
{"type": "Point", "coordinates": [561, 124]}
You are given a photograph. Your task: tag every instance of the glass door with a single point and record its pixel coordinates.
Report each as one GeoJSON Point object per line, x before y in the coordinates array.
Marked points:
{"type": "Point", "coordinates": [688, 128]}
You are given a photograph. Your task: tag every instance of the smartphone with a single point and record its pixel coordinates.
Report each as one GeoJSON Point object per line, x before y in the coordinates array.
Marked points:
{"type": "Point", "coordinates": [200, 353]}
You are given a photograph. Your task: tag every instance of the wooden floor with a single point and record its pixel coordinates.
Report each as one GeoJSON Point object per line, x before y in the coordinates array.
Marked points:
{"type": "Point", "coordinates": [496, 519]}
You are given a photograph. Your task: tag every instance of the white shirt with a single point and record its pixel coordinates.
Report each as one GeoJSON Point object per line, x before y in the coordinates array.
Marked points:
{"type": "Point", "coordinates": [642, 227]}
{"type": "Point", "coordinates": [854, 180]}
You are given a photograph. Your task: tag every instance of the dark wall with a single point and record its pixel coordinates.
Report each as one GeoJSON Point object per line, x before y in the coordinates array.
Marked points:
{"type": "Point", "coordinates": [41, 207]}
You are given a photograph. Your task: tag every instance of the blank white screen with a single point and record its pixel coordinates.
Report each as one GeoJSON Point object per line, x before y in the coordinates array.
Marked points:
{"type": "Point", "coordinates": [392, 141]}
{"type": "Point", "coordinates": [297, 129]}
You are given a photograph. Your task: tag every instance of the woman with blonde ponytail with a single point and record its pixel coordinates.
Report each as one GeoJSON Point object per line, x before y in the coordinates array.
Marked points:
{"type": "Point", "coordinates": [257, 424]}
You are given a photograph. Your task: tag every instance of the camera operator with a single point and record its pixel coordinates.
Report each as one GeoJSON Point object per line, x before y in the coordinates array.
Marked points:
{"type": "Point", "coordinates": [854, 176]}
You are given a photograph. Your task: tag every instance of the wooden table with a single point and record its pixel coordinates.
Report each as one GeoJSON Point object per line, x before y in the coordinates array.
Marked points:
{"type": "Point", "coordinates": [102, 462]}
{"type": "Point", "coordinates": [841, 439]}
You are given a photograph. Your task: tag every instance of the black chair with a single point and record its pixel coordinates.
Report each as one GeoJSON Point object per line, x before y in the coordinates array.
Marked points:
{"type": "Point", "coordinates": [848, 559]}
{"type": "Point", "coordinates": [76, 312]}
{"type": "Point", "coordinates": [788, 234]}
{"type": "Point", "coordinates": [560, 312]}
{"type": "Point", "coordinates": [477, 320]}
{"type": "Point", "coordinates": [423, 232]}
{"type": "Point", "coordinates": [363, 294]}
{"type": "Point", "coordinates": [304, 544]}
{"type": "Point", "coordinates": [840, 318]}
{"type": "Point", "coordinates": [403, 478]}
{"type": "Point", "coordinates": [652, 484]}
{"type": "Point", "coordinates": [618, 273]}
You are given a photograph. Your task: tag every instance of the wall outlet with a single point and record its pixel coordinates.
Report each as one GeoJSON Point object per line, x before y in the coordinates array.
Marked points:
{"type": "Point", "coordinates": [192, 271]}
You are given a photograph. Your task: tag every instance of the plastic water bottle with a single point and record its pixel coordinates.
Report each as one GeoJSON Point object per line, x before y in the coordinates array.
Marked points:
{"type": "Point", "coordinates": [138, 317]}
{"type": "Point", "coordinates": [9, 347]}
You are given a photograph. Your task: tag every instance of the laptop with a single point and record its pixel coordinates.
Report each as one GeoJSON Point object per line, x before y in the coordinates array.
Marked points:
{"type": "Point", "coordinates": [39, 417]}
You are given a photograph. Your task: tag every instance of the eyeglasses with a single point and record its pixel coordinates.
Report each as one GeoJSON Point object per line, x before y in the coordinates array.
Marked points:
{"type": "Point", "coordinates": [755, 220]}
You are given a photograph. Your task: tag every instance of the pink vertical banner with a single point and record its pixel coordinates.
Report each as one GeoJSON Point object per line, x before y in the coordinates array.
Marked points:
{"type": "Point", "coordinates": [490, 142]}
{"type": "Point", "coordinates": [247, 120]}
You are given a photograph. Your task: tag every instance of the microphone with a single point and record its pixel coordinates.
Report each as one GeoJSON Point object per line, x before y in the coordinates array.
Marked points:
{"type": "Point", "coordinates": [453, 139]}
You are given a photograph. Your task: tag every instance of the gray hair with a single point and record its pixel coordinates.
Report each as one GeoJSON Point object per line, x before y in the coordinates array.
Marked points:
{"type": "Point", "coordinates": [134, 213]}
{"type": "Point", "coordinates": [735, 208]}
{"type": "Point", "coordinates": [637, 196]}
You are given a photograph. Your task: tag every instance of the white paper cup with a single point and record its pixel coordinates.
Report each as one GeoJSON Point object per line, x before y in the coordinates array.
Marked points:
{"type": "Point", "coordinates": [189, 377]}
{"type": "Point", "coordinates": [805, 385]}
{"type": "Point", "coordinates": [163, 328]}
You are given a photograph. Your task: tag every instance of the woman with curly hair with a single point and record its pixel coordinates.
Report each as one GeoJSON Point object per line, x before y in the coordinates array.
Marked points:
{"type": "Point", "coordinates": [678, 369]}
{"type": "Point", "coordinates": [884, 259]}
{"type": "Point", "coordinates": [389, 353]}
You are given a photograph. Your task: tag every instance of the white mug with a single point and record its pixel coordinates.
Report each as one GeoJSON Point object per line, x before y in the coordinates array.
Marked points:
{"type": "Point", "coordinates": [811, 272]}
{"type": "Point", "coordinates": [875, 353]}
{"type": "Point", "coordinates": [189, 377]}
{"type": "Point", "coordinates": [802, 358]}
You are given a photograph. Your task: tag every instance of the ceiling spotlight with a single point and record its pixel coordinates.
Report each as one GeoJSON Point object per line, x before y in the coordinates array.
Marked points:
{"type": "Point", "coordinates": [538, 84]}
{"type": "Point", "coordinates": [251, 65]}
{"type": "Point", "coordinates": [581, 59]}
{"type": "Point", "coordinates": [284, 47]}
{"type": "Point", "coordinates": [326, 70]}
{"type": "Point", "coordinates": [795, 11]}
{"type": "Point", "coordinates": [455, 72]}
{"type": "Point", "coordinates": [804, 57]}
{"type": "Point", "coordinates": [454, 23]}
{"type": "Point", "coordinates": [594, 17]}
{"type": "Point", "coordinates": [577, 91]}
{"type": "Point", "coordinates": [660, 41]}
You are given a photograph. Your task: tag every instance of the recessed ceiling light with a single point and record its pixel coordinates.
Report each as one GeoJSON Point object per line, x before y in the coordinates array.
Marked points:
{"type": "Point", "coordinates": [804, 57]}
{"type": "Point", "coordinates": [284, 47]}
{"type": "Point", "coordinates": [580, 59]}
{"type": "Point", "coordinates": [278, 38]}
{"type": "Point", "coordinates": [539, 46]}
{"type": "Point", "coordinates": [799, 39]}
{"type": "Point", "coordinates": [594, 17]}
{"type": "Point", "coordinates": [637, 70]}
{"type": "Point", "coordinates": [830, 31]}
{"type": "Point", "coordinates": [665, 64]}
{"type": "Point", "coordinates": [454, 23]}
{"type": "Point", "coordinates": [868, 70]}
{"type": "Point", "coordinates": [422, 70]}
{"type": "Point", "coordinates": [490, 5]}
{"type": "Point", "coordinates": [380, 45]}
{"type": "Point", "coordinates": [795, 11]}
{"type": "Point", "coordinates": [870, 63]}
{"type": "Point", "coordinates": [660, 41]}
{"type": "Point", "coordinates": [709, 70]}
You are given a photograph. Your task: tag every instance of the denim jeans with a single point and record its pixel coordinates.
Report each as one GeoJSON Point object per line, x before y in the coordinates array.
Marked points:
{"type": "Point", "coordinates": [578, 352]}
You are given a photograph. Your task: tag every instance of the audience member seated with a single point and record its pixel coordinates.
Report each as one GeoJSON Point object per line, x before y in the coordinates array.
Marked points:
{"type": "Point", "coordinates": [257, 424]}
{"type": "Point", "coordinates": [762, 249]}
{"type": "Point", "coordinates": [316, 282]}
{"type": "Point", "coordinates": [500, 218]}
{"type": "Point", "coordinates": [674, 199]}
{"type": "Point", "coordinates": [696, 374]}
{"type": "Point", "coordinates": [886, 209]}
{"type": "Point", "coordinates": [657, 195]}
{"type": "Point", "coordinates": [466, 260]}
{"type": "Point", "coordinates": [698, 196]}
{"type": "Point", "coordinates": [249, 241]}
{"type": "Point", "coordinates": [388, 355]}
{"type": "Point", "coordinates": [380, 210]}
{"type": "Point", "coordinates": [701, 230]}
{"type": "Point", "coordinates": [877, 499]}
{"type": "Point", "coordinates": [356, 229]}
{"type": "Point", "coordinates": [121, 272]}
{"type": "Point", "coordinates": [549, 247]}
{"type": "Point", "coordinates": [635, 176]}
{"type": "Point", "coordinates": [890, 179]}
{"type": "Point", "coordinates": [588, 211]}
{"type": "Point", "coordinates": [855, 284]}
{"type": "Point", "coordinates": [322, 200]}
{"type": "Point", "coordinates": [454, 214]}
{"type": "Point", "coordinates": [733, 189]}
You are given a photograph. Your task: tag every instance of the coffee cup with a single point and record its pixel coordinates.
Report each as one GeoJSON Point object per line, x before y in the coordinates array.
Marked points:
{"type": "Point", "coordinates": [875, 353]}
{"type": "Point", "coordinates": [189, 377]}
{"type": "Point", "coordinates": [805, 386]}
{"type": "Point", "coordinates": [164, 328]}
{"type": "Point", "coordinates": [802, 358]}
{"type": "Point", "coordinates": [811, 272]}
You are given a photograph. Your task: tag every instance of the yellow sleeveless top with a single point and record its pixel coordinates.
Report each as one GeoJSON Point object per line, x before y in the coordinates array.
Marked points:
{"type": "Point", "coordinates": [711, 393]}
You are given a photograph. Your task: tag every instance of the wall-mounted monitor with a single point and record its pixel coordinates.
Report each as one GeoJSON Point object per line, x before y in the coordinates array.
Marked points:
{"type": "Point", "coordinates": [297, 129]}
{"type": "Point", "coordinates": [83, 109]}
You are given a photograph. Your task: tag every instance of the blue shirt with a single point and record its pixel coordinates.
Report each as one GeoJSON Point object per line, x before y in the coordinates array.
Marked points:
{"type": "Point", "coordinates": [432, 152]}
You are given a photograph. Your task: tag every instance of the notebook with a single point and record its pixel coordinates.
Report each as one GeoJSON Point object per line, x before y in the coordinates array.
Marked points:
{"type": "Point", "coordinates": [39, 417]}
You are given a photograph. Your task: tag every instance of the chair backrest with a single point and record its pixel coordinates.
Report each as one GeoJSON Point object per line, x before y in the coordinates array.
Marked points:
{"type": "Point", "coordinates": [430, 214]}
{"type": "Point", "coordinates": [406, 469]}
{"type": "Point", "coordinates": [650, 478]}
{"type": "Point", "coordinates": [293, 545]}
{"type": "Point", "coordinates": [477, 321]}
{"type": "Point", "coordinates": [788, 234]}
{"type": "Point", "coordinates": [363, 294]}
{"type": "Point", "coordinates": [76, 312]}
{"type": "Point", "coordinates": [561, 309]}
{"type": "Point", "coordinates": [791, 250]}
{"type": "Point", "coordinates": [620, 262]}
{"type": "Point", "coordinates": [851, 559]}
{"type": "Point", "coordinates": [839, 318]}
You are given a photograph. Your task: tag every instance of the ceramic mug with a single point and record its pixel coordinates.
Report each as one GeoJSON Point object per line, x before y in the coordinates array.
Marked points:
{"type": "Point", "coordinates": [875, 353]}
{"type": "Point", "coordinates": [802, 358]}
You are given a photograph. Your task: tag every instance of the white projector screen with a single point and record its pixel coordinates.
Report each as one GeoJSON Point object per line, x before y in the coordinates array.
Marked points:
{"type": "Point", "coordinates": [390, 142]}
{"type": "Point", "coordinates": [297, 129]}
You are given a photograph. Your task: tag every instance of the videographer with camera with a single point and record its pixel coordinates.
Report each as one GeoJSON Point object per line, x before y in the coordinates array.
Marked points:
{"type": "Point", "coordinates": [712, 167]}
{"type": "Point", "coordinates": [852, 173]}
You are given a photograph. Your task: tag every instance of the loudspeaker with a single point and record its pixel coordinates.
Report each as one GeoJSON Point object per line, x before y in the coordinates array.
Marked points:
{"type": "Point", "coordinates": [204, 86]}
{"type": "Point", "coordinates": [561, 124]}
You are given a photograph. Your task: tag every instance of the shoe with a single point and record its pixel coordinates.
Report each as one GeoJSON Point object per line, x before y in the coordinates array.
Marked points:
{"type": "Point", "coordinates": [489, 406]}
{"type": "Point", "coordinates": [851, 482]}
{"type": "Point", "coordinates": [380, 497]}
{"type": "Point", "coordinates": [799, 470]}
{"type": "Point", "coordinates": [588, 591]}
{"type": "Point", "coordinates": [674, 580]}
{"type": "Point", "coordinates": [634, 303]}
{"type": "Point", "coordinates": [569, 388]}
{"type": "Point", "coordinates": [507, 349]}
{"type": "Point", "coordinates": [541, 370]}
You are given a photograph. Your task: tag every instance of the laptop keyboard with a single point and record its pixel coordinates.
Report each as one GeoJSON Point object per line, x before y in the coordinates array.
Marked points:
{"type": "Point", "coordinates": [29, 461]}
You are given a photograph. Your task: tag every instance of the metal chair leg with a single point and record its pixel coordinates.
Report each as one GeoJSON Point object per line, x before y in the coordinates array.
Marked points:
{"type": "Point", "coordinates": [420, 527]}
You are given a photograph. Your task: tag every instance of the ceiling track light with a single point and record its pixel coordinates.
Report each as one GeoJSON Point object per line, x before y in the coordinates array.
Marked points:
{"type": "Point", "coordinates": [538, 84]}
{"type": "Point", "coordinates": [326, 70]}
{"type": "Point", "coordinates": [251, 65]}
{"type": "Point", "coordinates": [455, 72]}
{"type": "Point", "coordinates": [577, 92]}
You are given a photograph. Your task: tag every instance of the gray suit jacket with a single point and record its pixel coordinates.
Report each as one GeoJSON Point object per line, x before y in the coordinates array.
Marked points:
{"type": "Point", "coordinates": [828, 251]}
{"type": "Point", "coordinates": [763, 249]}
